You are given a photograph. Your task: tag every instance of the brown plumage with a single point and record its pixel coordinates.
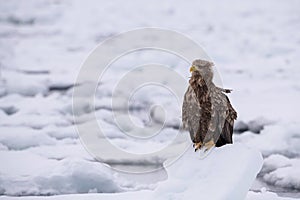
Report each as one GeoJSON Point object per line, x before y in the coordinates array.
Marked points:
{"type": "Point", "coordinates": [206, 112]}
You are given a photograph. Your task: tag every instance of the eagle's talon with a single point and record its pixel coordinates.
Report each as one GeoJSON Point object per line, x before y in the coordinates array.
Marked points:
{"type": "Point", "coordinates": [197, 145]}
{"type": "Point", "coordinates": [209, 145]}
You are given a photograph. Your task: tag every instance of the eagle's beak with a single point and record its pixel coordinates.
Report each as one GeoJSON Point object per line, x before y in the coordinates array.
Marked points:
{"type": "Point", "coordinates": [193, 68]}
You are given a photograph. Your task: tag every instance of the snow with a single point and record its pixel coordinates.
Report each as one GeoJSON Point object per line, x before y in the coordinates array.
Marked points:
{"type": "Point", "coordinates": [51, 176]}
{"type": "Point", "coordinates": [19, 138]}
{"type": "Point", "coordinates": [254, 44]}
{"type": "Point", "coordinates": [131, 195]}
{"type": "Point", "coordinates": [27, 84]}
{"type": "Point", "coordinates": [265, 196]}
{"type": "Point", "coordinates": [282, 138]}
{"type": "Point", "coordinates": [216, 181]}
{"type": "Point", "coordinates": [282, 171]}
{"type": "Point", "coordinates": [210, 177]}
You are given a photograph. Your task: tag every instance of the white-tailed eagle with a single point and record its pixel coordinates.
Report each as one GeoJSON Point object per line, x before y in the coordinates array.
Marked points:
{"type": "Point", "coordinates": [206, 111]}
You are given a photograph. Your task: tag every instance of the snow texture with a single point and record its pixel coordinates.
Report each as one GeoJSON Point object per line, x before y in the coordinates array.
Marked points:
{"type": "Point", "coordinates": [254, 44]}
{"type": "Point", "coordinates": [209, 177]}
{"type": "Point", "coordinates": [265, 196]}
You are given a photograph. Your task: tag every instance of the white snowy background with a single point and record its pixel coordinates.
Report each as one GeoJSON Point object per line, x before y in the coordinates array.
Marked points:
{"type": "Point", "coordinates": [255, 46]}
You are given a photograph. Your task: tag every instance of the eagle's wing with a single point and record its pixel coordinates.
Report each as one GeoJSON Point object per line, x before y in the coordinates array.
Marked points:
{"type": "Point", "coordinates": [223, 116]}
{"type": "Point", "coordinates": [190, 113]}
{"type": "Point", "coordinates": [231, 115]}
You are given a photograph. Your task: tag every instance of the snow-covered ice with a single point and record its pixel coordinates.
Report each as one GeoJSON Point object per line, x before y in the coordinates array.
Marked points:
{"type": "Point", "coordinates": [254, 44]}
{"type": "Point", "coordinates": [41, 176]}
{"type": "Point", "coordinates": [210, 178]}
{"type": "Point", "coordinates": [282, 171]}
{"type": "Point", "coordinates": [265, 196]}
{"type": "Point", "coordinates": [132, 195]}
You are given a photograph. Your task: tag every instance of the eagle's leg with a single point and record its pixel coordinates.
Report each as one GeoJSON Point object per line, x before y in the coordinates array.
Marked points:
{"type": "Point", "coordinates": [197, 145]}
{"type": "Point", "coordinates": [209, 145]}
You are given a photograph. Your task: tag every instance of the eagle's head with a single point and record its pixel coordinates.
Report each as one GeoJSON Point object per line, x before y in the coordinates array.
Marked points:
{"type": "Point", "coordinates": [204, 68]}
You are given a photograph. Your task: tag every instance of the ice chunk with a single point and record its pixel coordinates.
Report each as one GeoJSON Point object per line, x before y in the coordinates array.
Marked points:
{"type": "Point", "coordinates": [42, 176]}
{"type": "Point", "coordinates": [282, 137]}
{"type": "Point", "coordinates": [282, 171]}
{"type": "Point", "coordinates": [265, 196]}
{"type": "Point", "coordinates": [21, 137]}
{"type": "Point", "coordinates": [227, 173]}
{"type": "Point", "coordinates": [28, 85]}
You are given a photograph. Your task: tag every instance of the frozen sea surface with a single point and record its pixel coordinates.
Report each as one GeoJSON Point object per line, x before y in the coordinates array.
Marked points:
{"type": "Point", "coordinates": [205, 176]}
{"type": "Point", "coordinates": [255, 46]}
